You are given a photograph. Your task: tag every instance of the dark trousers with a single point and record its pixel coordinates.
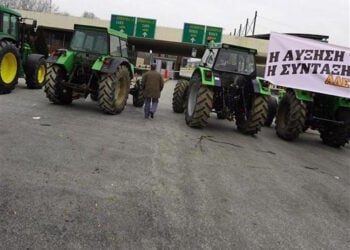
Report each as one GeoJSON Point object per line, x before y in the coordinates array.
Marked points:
{"type": "Point", "coordinates": [151, 105]}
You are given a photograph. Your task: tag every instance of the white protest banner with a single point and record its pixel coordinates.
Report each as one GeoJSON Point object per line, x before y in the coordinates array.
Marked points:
{"type": "Point", "coordinates": [310, 65]}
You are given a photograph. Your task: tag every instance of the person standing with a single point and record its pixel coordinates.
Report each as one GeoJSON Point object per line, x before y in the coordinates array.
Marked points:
{"type": "Point", "coordinates": [153, 84]}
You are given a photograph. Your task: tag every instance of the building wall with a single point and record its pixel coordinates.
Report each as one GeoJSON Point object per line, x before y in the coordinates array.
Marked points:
{"type": "Point", "coordinates": [60, 22]}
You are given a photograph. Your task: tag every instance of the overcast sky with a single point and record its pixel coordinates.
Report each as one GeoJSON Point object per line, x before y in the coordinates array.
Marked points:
{"type": "Point", "coordinates": [323, 17]}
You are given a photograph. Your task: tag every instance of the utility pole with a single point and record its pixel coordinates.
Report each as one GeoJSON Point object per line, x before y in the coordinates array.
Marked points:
{"type": "Point", "coordinates": [246, 27]}
{"type": "Point", "coordinates": [240, 28]}
{"type": "Point", "coordinates": [256, 14]}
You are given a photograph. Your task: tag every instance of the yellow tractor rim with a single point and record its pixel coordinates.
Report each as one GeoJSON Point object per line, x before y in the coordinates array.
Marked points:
{"type": "Point", "coordinates": [41, 74]}
{"type": "Point", "coordinates": [8, 68]}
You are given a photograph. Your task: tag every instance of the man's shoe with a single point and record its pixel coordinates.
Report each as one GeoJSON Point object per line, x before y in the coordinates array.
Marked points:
{"type": "Point", "coordinates": [151, 114]}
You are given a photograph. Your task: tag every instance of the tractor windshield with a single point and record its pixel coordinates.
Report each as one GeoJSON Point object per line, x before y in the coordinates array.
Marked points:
{"type": "Point", "coordinates": [9, 24]}
{"type": "Point", "coordinates": [235, 61]}
{"type": "Point", "coordinates": [90, 41]}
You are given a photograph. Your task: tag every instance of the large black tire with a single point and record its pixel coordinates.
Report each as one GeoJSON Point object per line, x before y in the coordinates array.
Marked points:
{"type": "Point", "coordinates": [113, 91]}
{"type": "Point", "coordinates": [272, 110]}
{"type": "Point", "coordinates": [54, 90]}
{"type": "Point", "coordinates": [35, 71]}
{"type": "Point", "coordinates": [337, 136]}
{"type": "Point", "coordinates": [179, 96]}
{"type": "Point", "coordinates": [252, 123]}
{"type": "Point", "coordinates": [199, 103]}
{"type": "Point", "coordinates": [9, 66]}
{"type": "Point", "coordinates": [137, 98]}
{"type": "Point", "coordinates": [290, 118]}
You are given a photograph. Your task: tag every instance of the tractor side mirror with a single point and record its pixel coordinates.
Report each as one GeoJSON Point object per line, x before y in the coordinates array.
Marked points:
{"type": "Point", "coordinates": [35, 25]}
{"type": "Point", "coordinates": [194, 52]}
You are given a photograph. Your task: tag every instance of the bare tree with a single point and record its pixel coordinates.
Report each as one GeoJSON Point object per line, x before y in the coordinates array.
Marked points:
{"type": "Point", "coordinates": [32, 5]}
{"type": "Point", "coordinates": [87, 14]}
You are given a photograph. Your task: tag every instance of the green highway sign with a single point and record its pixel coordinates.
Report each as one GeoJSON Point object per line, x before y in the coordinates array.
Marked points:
{"type": "Point", "coordinates": [145, 28]}
{"type": "Point", "coordinates": [215, 33]}
{"type": "Point", "coordinates": [125, 24]}
{"type": "Point", "coordinates": [193, 33]}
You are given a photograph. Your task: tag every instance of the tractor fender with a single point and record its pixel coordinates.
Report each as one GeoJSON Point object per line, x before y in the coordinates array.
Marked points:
{"type": "Point", "coordinates": [259, 87]}
{"type": "Point", "coordinates": [307, 96]}
{"type": "Point", "coordinates": [207, 76]}
{"type": "Point", "coordinates": [31, 59]}
{"type": "Point", "coordinates": [113, 64]}
{"type": "Point", "coordinates": [5, 37]}
{"type": "Point", "coordinates": [303, 95]}
{"type": "Point", "coordinates": [343, 102]}
{"type": "Point", "coordinates": [64, 58]}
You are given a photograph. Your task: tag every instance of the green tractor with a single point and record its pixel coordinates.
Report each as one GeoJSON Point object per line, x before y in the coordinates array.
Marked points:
{"type": "Point", "coordinates": [299, 110]}
{"type": "Point", "coordinates": [225, 82]}
{"type": "Point", "coordinates": [95, 64]}
{"type": "Point", "coordinates": [15, 54]}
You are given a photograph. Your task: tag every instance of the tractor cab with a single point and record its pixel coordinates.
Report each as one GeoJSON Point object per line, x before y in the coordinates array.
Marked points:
{"type": "Point", "coordinates": [98, 40]}
{"type": "Point", "coordinates": [9, 23]}
{"type": "Point", "coordinates": [230, 59]}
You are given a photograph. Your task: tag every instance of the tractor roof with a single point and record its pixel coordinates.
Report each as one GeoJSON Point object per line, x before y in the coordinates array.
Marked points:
{"type": "Point", "coordinates": [101, 29]}
{"type": "Point", "coordinates": [117, 33]}
{"type": "Point", "coordinates": [8, 10]}
{"type": "Point", "coordinates": [231, 46]}
{"type": "Point", "coordinates": [89, 27]}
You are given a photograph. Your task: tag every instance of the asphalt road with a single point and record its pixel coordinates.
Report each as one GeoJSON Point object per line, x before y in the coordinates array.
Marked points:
{"type": "Point", "coordinates": [72, 177]}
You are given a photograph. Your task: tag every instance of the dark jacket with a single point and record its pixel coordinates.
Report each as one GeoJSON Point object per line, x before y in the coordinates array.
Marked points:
{"type": "Point", "coordinates": [153, 84]}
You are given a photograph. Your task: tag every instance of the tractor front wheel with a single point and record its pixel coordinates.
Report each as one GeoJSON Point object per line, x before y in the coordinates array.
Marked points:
{"type": "Point", "coordinates": [9, 66]}
{"type": "Point", "coordinates": [35, 71]}
{"type": "Point", "coordinates": [179, 96]}
{"type": "Point", "coordinates": [272, 110]}
{"type": "Point", "coordinates": [337, 136]}
{"type": "Point", "coordinates": [137, 98]}
{"type": "Point", "coordinates": [113, 91]}
{"type": "Point", "coordinates": [252, 122]}
{"type": "Point", "coordinates": [54, 90]}
{"type": "Point", "coordinates": [290, 118]}
{"type": "Point", "coordinates": [199, 103]}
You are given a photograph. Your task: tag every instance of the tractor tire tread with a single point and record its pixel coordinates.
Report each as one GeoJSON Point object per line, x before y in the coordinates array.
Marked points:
{"type": "Point", "coordinates": [296, 119]}
{"type": "Point", "coordinates": [179, 96]}
{"type": "Point", "coordinates": [6, 47]}
{"type": "Point", "coordinates": [106, 93]}
{"type": "Point", "coordinates": [256, 117]}
{"type": "Point", "coordinates": [202, 109]}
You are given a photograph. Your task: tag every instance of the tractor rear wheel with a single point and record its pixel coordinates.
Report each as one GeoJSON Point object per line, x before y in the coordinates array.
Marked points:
{"type": "Point", "coordinates": [272, 110]}
{"type": "Point", "coordinates": [53, 86]}
{"type": "Point", "coordinates": [113, 91]}
{"type": "Point", "coordinates": [179, 96]}
{"type": "Point", "coordinates": [35, 72]}
{"type": "Point", "coordinates": [290, 118]}
{"type": "Point", "coordinates": [252, 122]}
{"type": "Point", "coordinates": [137, 98]}
{"type": "Point", "coordinates": [9, 66]}
{"type": "Point", "coordinates": [337, 136]}
{"type": "Point", "coordinates": [199, 103]}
